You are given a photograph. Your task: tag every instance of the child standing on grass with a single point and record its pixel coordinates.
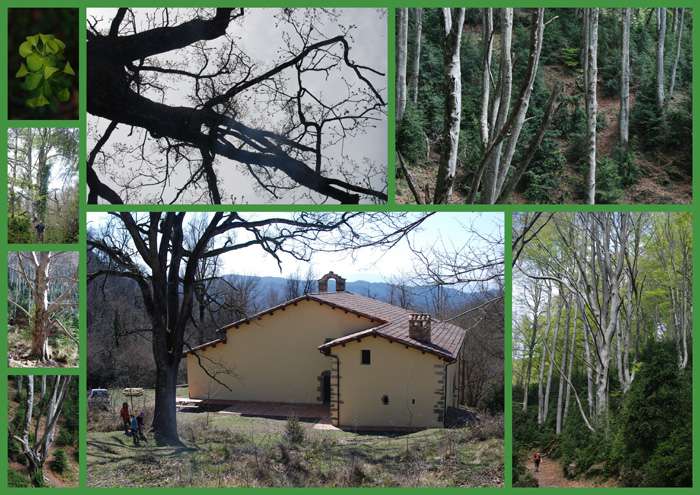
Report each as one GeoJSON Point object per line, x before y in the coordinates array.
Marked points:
{"type": "Point", "coordinates": [135, 430]}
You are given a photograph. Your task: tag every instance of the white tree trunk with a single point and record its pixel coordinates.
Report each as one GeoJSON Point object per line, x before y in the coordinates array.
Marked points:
{"type": "Point", "coordinates": [415, 72]}
{"type": "Point", "coordinates": [562, 371]}
{"type": "Point", "coordinates": [543, 359]}
{"type": "Point", "coordinates": [401, 60]}
{"type": "Point", "coordinates": [660, 44]}
{"type": "Point", "coordinates": [679, 39]}
{"type": "Point", "coordinates": [486, 75]}
{"type": "Point", "coordinates": [454, 22]}
{"type": "Point", "coordinates": [592, 101]}
{"type": "Point", "coordinates": [625, 80]}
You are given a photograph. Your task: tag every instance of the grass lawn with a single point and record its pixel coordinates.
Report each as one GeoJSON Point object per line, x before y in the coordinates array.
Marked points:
{"type": "Point", "coordinates": [232, 450]}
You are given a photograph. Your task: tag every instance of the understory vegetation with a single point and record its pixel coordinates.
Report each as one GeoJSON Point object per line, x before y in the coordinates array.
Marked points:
{"type": "Point", "coordinates": [527, 126]}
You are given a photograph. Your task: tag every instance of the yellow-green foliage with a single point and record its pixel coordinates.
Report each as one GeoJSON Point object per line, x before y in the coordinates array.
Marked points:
{"type": "Point", "coordinates": [45, 70]}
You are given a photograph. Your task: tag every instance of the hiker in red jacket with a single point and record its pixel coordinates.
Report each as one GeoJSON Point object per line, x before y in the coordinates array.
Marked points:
{"type": "Point", "coordinates": [126, 417]}
{"type": "Point", "coordinates": [536, 459]}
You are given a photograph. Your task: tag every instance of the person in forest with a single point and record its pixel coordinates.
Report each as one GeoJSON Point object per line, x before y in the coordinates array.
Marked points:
{"type": "Point", "coordinates": [537, 459]}
{"type": "Point", "coordinates": [140, 420]}
{"type": "Point", "coordinates": [40, 231]}
{"type": "Point", "coordinates": [126, 417]}
{"type": "Point", "coordinates": [135, 430]}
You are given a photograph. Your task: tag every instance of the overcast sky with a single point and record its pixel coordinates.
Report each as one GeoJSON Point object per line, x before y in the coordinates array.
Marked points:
{"type": "Point", "coordinates": [370, 264]}
{"type": "Point", "coordinates": [260, 36]}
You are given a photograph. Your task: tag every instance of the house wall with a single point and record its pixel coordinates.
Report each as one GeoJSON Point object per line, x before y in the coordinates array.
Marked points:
{"type": "Point", "coordinates": [275, 358]}
{"type": "Point", "coordinates": [403, 374]}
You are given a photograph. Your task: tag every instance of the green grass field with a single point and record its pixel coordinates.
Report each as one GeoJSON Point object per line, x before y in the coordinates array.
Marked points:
{"type": "Point", "coordinates": [233, 450]}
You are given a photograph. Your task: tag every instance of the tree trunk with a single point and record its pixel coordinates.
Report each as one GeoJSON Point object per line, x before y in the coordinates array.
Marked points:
{"type": "Point", "coordinates": [41, 326]}
{"type": "Point", "coordinates": [486, 75]}
{"type": "Point", "coordinates": [454, 21]}
{"type": "Point", "coordinates": [552, 358]}
{"type": "Point", "coordinates": [543, 359]}
{"type": "Point", "coordinates": [660, 45]}
{"type": "Point", "coordinates": [625, 80]}
{"type": "Point", "coordinates": [592, 101]}
{"type": "Point", "coordinates": [417, 36]}
{"type": "Point", "coordinates": [679, 39]}
{"type": "Point", "coordinates": [401, 59]}
{"type": "Point", "coordinates": [164, 415]}
{"type": "Point", "coordinates": [493, 165]}
{"type": "Point", "coordinates": [563, 371]}
{"type": "Point", "coordinates": [570, 367]}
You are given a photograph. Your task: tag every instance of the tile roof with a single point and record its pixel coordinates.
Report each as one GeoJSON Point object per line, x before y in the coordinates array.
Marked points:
{"type": "Point", "coordinates": [445, 339]}
{"type": "Point", "coordinates": [392, 324]}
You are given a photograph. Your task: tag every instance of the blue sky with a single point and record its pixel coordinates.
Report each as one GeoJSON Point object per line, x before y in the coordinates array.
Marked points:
{"type": "Point", "coordinates": [371, 264]}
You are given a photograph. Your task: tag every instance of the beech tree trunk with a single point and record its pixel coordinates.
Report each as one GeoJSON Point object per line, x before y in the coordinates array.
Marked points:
{"type": "Point", "coordinates": [487, 28]}
{"type": "Point", "coordinates": [505, 84]}
{"type": "Point", "coordinates": [563, 370]}
{"type": "Point", "coordinates": [415, 66]}
{"type": "Point", "coordinates": [401, 61]}
{"type": "Point", "coordinates": [543, 359]}
{"type": "Point", "coordinates": [625, 80]}
{"type": "Point", "coordinates": [591, 100]}
{"type": "Point", "coordinates": [552, 358]}
{"type": "Point", "coordinates": [454, 21]}
{"type": "Point", "coordinates": [679, 39]}
{"type": "Point", "coordinates": [41, 326]}
{"type": "Point", "coordinates": [660, 48]}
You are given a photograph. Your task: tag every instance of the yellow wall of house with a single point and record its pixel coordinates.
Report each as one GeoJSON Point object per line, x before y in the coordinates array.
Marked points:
{"type": "Point", "coordinates": [403, 374]}
{"type": "Point", "coordinates": [274, 359]}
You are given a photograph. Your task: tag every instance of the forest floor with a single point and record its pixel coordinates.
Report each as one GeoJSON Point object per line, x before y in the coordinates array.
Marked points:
{"type": "Point", "coordinates": [228, 450]}
{"type": "Point", "coordinates": [659, 180]}
{"type": "Point", "coordinates": [19, 344]}
{"type": "Point", "coordinates": [551, 475]}
{"type": "Point", "coordinates": [18, 475]}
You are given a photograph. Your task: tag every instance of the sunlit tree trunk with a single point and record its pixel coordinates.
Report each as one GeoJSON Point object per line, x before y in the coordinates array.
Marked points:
{"type": "Point", "coordinates": [415, 63]}
{"type": "Point", "coordinates": [487, 28]}
{"type": "Point", "coordinates": [401, 61]}
{"type": "Point", "coordinates": [454, 21]}
{"type": "Point", "coordinates": [625, 80]}
{"type": "Point", "coordinates": [591, 101]}
{"type": "Point", "coordinates": [660, 48]}
{"type": "Point", "coordinates": [680, 13]}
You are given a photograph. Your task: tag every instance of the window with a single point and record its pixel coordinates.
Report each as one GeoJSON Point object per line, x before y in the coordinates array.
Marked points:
{"type": "Point", "coordinates": [366, 357]}
{"type": "Point", "coordinates": [385, 399]}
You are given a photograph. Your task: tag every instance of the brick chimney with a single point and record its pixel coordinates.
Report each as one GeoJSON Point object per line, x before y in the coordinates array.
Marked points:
{"type": "Point", "coordinates": [323, 282]}
{"type": "Point", "coordinates": [419, 326]}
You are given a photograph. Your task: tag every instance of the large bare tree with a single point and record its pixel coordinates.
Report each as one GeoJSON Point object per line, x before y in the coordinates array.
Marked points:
{"type": "Point", "coordinates": [186, 135]}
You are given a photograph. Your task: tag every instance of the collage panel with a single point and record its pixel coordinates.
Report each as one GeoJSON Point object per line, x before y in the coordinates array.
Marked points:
{"type": "Point", "coordinates": [43, 431]}
{"type": "Point", "coordinates": [295, 349]}
{"type": "Point", "coordinates": [602, 349]}
{"type": "Point", "coordinates": [42, 46]}
{"type": "Point", "coordinates": [544, 105]}
{"type": "Point", "coordinates": [42, 309]}
{"type": "Point", "coordinates": [42, 185]}
{"type": "Point", "coordinates": [237, 106]}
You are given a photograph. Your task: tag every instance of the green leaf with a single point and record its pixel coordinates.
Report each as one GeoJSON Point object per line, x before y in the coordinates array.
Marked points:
{"type": "Point", "coordinates": [22, 71]}
{"type": "Point", "coordinates": [61, 44]}
{"type": "Point", "coordinates": [33, 39]}
{"type": "Point", "coordinates": [34, 62]}
{"type": "Point", "coordinates": [68, 69]}
{"type": "Point", "coordinates": [45, 37]}
{"type": "Point", "coordinates": [63, 95]}
{"type": "Point", "coordinates": [49, 71]}
{"type": "Point", "coordinates": [38, 101]}
{"type": "Point", "coordinates": [25, 49]}
{"type": "Point", "coordinates": [52, 46]}
{"type": "Point", "coordinates": [33, 80]}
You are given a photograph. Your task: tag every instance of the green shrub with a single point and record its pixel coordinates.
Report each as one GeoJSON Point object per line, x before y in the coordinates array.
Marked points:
{"type": "Point", "coordinates": [17, 480]}
{"type": "Point", "coordinates": [59, 462]}
{"type": "Point", "coordinates": [294, 431]}
{"type": "Point", "coordinates": [411, 137]}
{"type": "Point", "coordinates": [19, 229]}
{"type": "Point", "coordinates": [608, 181]}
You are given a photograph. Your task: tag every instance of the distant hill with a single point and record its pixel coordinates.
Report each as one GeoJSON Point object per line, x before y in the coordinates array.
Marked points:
{"type": "Point", "coordinates": [420, 298]}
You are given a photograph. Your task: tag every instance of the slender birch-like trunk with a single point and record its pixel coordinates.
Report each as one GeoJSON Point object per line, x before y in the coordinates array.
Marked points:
{"type": "Point", "coordinates": [625, 80]}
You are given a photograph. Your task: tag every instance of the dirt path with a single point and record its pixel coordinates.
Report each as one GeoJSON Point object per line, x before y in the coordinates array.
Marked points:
{"type": "Point", "coordinates": [551, 474]}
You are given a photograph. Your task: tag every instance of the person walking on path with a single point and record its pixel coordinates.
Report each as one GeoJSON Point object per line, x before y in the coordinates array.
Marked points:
{"type": "Point", "coordinates": [537, 459]}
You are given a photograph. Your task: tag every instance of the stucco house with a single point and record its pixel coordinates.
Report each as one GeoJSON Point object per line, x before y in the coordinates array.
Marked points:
{"type": "Point", "coordinates": [376, 365]}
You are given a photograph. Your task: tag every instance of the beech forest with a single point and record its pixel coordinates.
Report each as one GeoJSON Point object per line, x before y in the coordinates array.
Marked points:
{"type": "Point", "coordinates": [602, 349]}
{"type": "Point", "coordinates": [544, 105]}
